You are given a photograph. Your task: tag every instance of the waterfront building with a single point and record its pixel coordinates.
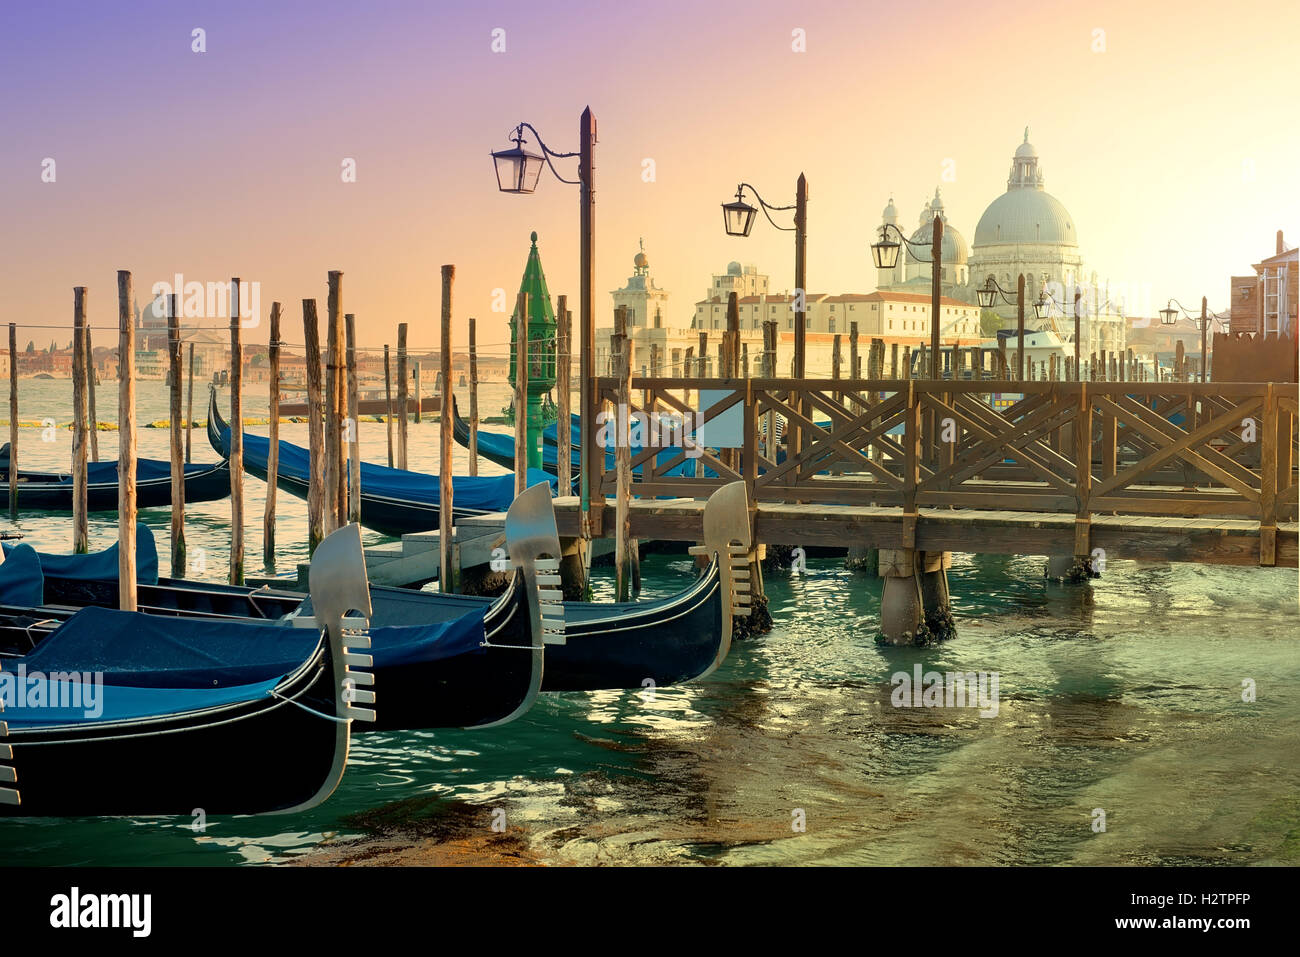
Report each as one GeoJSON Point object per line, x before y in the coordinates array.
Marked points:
{"type": "Point", "coordinates": [1266, 301]}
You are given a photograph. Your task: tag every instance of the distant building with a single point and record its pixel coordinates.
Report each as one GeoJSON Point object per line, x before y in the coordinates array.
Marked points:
{"type": "Point", "coordinates": [1266, 302]}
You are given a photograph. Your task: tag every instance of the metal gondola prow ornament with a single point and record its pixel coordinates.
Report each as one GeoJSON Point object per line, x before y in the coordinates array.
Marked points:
{"type": "Point", "coordinates": [533, 543]}
{"type": "Point", "coordinates": [729, 541]}
{"type": "Point", "coordinates": [338, 584]}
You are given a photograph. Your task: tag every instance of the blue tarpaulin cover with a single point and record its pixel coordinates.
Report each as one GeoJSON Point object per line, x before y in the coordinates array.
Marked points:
{"type": "Point", "coordinates": [21, 581]}
{"type": "Point", "coordinates": [477, 493]}
{"type": "Point", "coordinates": [139, 650]}
{"type": "Point", "coordinates": [99, 566]}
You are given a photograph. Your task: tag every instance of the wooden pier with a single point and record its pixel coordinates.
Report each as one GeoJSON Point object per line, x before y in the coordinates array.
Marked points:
{"type": "Point", "coordinates": [1156, 471]}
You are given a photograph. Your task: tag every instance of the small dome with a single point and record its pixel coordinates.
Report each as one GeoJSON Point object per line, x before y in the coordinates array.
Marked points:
{"type": "Point", "coordinates": [1026, 149]}
{"type": "Point", "coordinates": [733, 269]}
{"type": "Point", "coordinates": [955, 252]}
{"type": "Point", "coordinates": [890, 213]}
{"type": "Point", "coordinates": [640, 260]}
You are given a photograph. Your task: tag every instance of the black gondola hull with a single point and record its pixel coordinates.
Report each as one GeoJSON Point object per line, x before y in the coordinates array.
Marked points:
{"type": "Point", "coordinates": [250, 758]}
{"type": "Point", "coordinates": [40, 491]}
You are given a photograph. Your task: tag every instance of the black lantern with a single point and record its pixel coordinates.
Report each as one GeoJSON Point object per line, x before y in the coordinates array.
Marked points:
{"type": "Point", "coordinates": [518, 169]}
{"type": "Point", "coordinates": [986, 295]}
{"type": "Point", "coordinates": [1168, 316]}
{"type": "Point", "coordinates": [738, 217]}
{"type": "Point", "coordinates": [885, 252]}
{"type": "Point", "coordinates": [1042, 306]}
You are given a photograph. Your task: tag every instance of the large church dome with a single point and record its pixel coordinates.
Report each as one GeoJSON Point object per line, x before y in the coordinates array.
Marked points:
{"type": "Point", "coordinates": [1026, 216]}
{"type": "Point", "coordinates": [1025, 213]}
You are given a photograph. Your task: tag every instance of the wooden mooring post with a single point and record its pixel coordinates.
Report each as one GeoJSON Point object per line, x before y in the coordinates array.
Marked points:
{"type": "Point", "coordinates": [13, 422]}
{"type": "Point", "coordinates": [236, 440]}
{"type": "Point", "coordinates": [189, 408]}
{"type": "Point", "coordinates": [473, 395]}
{"type": "Point", "coordinates": [564, 422]}
{"type": "Point", "coordinates": [521, 392]}
{"type": "Point", "coordinates": [93, 416]}
{"type": "Point", "coordinates": [446, 566]}
{"type": "Point", "coordinates": [627, 570]}
{"type": "Point", "coordinates": [126, 504]}
{"type": "Point", "coordinates": [335, 483]}
{"type": "Point", "coordinates": [388, 403]}
{"type": "Point", "coordinates": [354, 420]}
{"type": "Point", "coordinates": [401, 395]}
{"type": "Point", "coordinates": [315, 428]}
{"type": "Point", "coordinates": [273, 452]}
{"type": "Point", "coordinates": [174, 434]}
{"type": "Point", "coordinates": [419, 393]}
{"type": "Point", "coordinates": [80, 520]}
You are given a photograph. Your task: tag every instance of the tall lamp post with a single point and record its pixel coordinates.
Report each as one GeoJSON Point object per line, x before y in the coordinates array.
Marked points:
{"type": "Point", "coordinates": [992, 289]}
{"type": "Point", "coordinates": [1169, 316]}
{"type": "Point", "coordinates": [518, 170]}
{"type": "Point", "coordinates": [738, 219]}
{"type": "Point", "coordinates": [885, 253]}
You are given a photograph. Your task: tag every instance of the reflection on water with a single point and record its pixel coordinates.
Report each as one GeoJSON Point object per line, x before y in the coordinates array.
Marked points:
{"type": "Point", "coordinates": [1124, 695]}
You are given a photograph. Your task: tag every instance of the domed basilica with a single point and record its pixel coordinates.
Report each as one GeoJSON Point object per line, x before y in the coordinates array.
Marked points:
{"type": "Point", "coordinates": [1025, 230]}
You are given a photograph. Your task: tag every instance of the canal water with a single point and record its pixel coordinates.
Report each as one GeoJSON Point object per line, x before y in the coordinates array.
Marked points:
{"type": "Point", "coordinates": [1152, 716]}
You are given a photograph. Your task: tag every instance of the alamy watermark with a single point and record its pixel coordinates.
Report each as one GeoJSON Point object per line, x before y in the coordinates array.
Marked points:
{"type": "Point", "coordinates": [69, 690]}
{"type": "Point", "coordinates": [643, 430]}
{"type": "Point", "coordinates": [952, 689]}
{"type": "Point", "coordinates": [212, 300]}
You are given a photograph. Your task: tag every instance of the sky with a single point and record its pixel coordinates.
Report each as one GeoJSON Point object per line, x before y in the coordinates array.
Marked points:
{"type": "Point", "coordinates": [1166, 127]}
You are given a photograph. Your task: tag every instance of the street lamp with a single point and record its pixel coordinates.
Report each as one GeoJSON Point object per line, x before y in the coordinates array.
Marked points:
{"type": "Point", "coordinates": [1043, 307]}
{"type": "Point", "coordinates": [885, 253]}
{"type": "Point", "coordinates": [738, 220]}
{"type": "Point", "coordinates": [518, 170]}
{"type": "Point", "coordinates": [1169, 316]}
{"type": "Point", "coordinates": [989, 294]}
{"type": "Point", "coordinates": [738, 217]}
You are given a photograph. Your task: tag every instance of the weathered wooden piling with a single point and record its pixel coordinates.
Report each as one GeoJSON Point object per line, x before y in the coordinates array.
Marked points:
{"type": "Point", "coordinates": [419, 393]}
{"type": "Point", "coordinates": [388, 404]}
{"type": "Point", "coordinates": [236, 440]}
{"type": "Point", "coordinates": [189, 408]}
{"type": "Point", "coordinates": [473, 394]}
{"type": "Point", "coordinates": [564, 424]}
{"type": "Point", "coordinates": [401, 395]}
{"type": "Point", "coordinates": [335, 483]}
{"type": "Point", "coordinates": [273, 453]}
{"type": "Point", "coordinates": [126, 506]}
{"type": "Point", "coordinates": [354, 421]}
{"type": "Point", "coordinates": [625, 548]}
{"type": "Point", "coordinates": [13, 422]}
{"type": "Point", "coordinates": [80, 519]}
{"type": "Point", "coordinates": [93, 415]}
{"type": "Point", "coordinates": [446, 566]}
{"type": "Point", "coordinates": [521, 392]}
{"type": "Point", "coordinates": [174, 434]}
{"type": "Point", "coordinates": [315, 428]}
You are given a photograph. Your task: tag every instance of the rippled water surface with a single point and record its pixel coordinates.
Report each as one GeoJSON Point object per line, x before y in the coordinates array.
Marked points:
{"type": "Point", "coordinates": [1125, 695]}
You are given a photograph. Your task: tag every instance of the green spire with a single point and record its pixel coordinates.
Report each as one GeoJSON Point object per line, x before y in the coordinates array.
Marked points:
{"type": "Point", "coordinates": [534, 283]}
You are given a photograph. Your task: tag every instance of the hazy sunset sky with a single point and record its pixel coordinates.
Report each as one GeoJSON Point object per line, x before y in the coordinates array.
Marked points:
{"type": "Point", "coordinates": [1174, 149]}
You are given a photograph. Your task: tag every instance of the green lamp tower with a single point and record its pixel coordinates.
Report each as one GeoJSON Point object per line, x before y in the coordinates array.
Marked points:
{"type": "Point", "coordinates": [540, 325]}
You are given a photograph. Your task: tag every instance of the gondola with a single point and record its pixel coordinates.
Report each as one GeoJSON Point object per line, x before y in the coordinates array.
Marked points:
{"type": "Point", "coordinates": [242, 737]}
{"type": "Point", "coordinates": [479, 667]}
{"type": "Point", "coordinates": [605, 646]}
{"type": "Point", "coordinates": [52, 491]}
{"type": "Point", "coordinates": [499, 448]}
{"type": "Point", "coordinates": [393, 501]}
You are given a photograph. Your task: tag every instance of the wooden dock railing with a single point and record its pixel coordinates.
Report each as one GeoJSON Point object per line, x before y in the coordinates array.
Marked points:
{"type": "Point", "coordinates": [1157, 449]}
